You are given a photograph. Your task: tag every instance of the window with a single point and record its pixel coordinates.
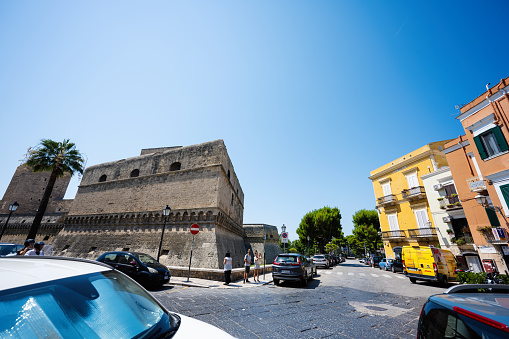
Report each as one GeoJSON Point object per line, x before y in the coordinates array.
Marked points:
{"type": "Point", "coordinates": [422, 218]}
{"type": "Point", "coordinates": [387, 191]}
{"type": "Point", "coordinates": [412, 180]}
{"type": "Point", "coordinates": [491, 143]}
{"type": "Point", "coordinates": [135, 173]}
{"type": "Point", "coordinates": [175, 166]}
{"type": "Point", "coordinates": [393, 225]}
{"type": "Point", "coordinates": [102, 178]}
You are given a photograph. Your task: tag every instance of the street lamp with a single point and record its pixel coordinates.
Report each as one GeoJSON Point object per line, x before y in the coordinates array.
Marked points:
{"type": "Point", "coordinates": [283, 230]}
{"type": "Point", "coordinates": [308, 245]}
{"type": "Point", "coordinates": [166, 213]}
{"type": "Point", "coordinates": [12, 207]}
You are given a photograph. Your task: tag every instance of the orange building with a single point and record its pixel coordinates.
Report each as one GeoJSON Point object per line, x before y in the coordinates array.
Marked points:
{"type": "Point", "coordinates": [479, 162]}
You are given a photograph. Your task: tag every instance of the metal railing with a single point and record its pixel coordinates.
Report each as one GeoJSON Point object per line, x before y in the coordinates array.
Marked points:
{"type": "Point", "coordinates": [449, 202]}
{"type": "Point", "coordinates": [422, 232]}
{"type": "Point", "coordinates": [388, 199]}
{"type": "Point", "coordinates": [413, 192]}
{"type": "Point", "coordinates": [394, 234]}
{"type": "Point", "coordinates": [498, 235]}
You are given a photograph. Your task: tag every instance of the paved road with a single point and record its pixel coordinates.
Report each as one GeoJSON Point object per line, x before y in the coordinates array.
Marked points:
{"type": "Point", "coordinates": [350, 300]}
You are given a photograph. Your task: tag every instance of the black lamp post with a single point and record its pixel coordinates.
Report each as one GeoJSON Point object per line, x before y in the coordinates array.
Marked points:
{"type": "Point", "coordinates": [12, 207]}
{"type": "Point", "coordinates": [166, 213]}
{"type": "Point", "coordinates": [283, 230]}
{"type": "Point", "coordinates": [308, 245]}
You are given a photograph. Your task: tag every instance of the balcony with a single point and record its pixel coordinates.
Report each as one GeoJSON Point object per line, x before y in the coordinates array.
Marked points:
{"type": "Point", "coordinates": [414, 193]}
{"type": "Point", "coordinates": [388, 200]}
{"type": "Point", "coordinates": [393, 234]}
{"type": "Point", "coordinates": [428, 232]}
{"type": "Point", "coordinates": [498, 235]}
{"type": "Point", "coordinates": [476, 184]}
{"type": "Point", "coordinates": [449, 203]}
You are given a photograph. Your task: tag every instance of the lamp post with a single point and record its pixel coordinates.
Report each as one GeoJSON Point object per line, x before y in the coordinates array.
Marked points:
{"type": "Point", "coordinates": [166, 213]}
{"type": "Point", "coordinates": [12, 207]}
{"type": "Point", "coordinates": [283, 230]}
{"type": "Point", "coordinates": [308, 245]}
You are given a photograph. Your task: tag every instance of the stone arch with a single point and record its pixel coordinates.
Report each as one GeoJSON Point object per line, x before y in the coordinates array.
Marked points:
{"type": "Point", "coordinates": [200, 216]}
{"type": "Point", "coordinates": [185, 216]}
{"type": "Point", "coordinates": [208, 217]}
{"type": "Point", "coordinates": [177, 216]}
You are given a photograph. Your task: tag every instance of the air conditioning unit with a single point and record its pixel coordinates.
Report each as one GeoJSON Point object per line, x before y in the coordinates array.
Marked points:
{"type": "Point", "coordinates": [438, 187]}
{"type": "Point", "coordinates": [446, 219]}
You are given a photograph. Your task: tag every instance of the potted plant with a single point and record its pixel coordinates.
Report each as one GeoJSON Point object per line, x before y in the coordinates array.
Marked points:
{"type": "Point", "coordinates": [454, 195]}
{"type": "Point", "coordinates": [440, 199]}
{"type": "Point", "coordinates": [460, 242]}
{"type": "Point", "coordinates": [449, 231]}
{"type": "Point", "coordinates": [465, 229]}
{"type": "Point", "coordinates": [484, 229]}
{"type": "Point", "coordinates": [457, 203]}
{"type": "Point", "coordinates": [449, 205]}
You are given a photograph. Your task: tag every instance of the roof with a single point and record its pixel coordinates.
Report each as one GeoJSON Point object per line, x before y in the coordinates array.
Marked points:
{"type": "Point", "coordinates": [490, 305]}
{"type": "Point", "coordinates": [27, 270]}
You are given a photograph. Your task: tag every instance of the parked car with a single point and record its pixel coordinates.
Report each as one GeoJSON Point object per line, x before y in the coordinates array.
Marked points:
{"type": "Point", "coordinates": [140, 266]}
{"type": "Point", "coordinates": [464, 312]}
{"type": "Point", "coordinates": [8, 249]}
{"type": "Point", "coordinates": [329, 259]}
{"type": "Point", "coordinates": [342, 258]}
{"type": "Point", "coordinates": [429, 263]}
{"type": "Point", "coordinates": [397, 266]}
{"type": "Point", "coordinates": [292, 267]}
{"type": "Point", "coordinates": [375, 260]}
{"type": "Point", "coordinates": [385, 264]}
{"type": "Point", "coordinates": [61, 297]}
{"type": "Point", "coordinates": [320, 261]}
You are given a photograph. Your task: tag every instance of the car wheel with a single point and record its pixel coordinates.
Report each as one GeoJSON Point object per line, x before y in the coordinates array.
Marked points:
{"type": "Point", "coordinates": [444, 281]}
{"type": "Point", "coordinates": [393, 269]}
{"type": "Point", "coordinates": [305, 281]}
{"type": "Point", "coordinates": [276, 282]}
{"type": "Point", "coordinates": [385, 268]}
{"type": "Point", "coordinates": [379, 268]}
{"type": "Point", "coordinates": [413, 280]}
{"type": "Point", "coordinates": [311, 276]}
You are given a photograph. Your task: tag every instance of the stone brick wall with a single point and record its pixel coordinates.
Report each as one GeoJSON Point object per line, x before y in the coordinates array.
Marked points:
{"type": "Point", "coordinates": [254, 240]}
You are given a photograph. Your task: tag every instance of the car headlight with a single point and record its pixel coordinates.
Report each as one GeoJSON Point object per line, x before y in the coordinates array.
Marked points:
{"type": "Point", "coordinates": [152, 270]}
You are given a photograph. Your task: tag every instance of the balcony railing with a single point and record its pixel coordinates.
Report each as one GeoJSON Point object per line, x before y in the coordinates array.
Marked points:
{"type": "Point", "coordinates": [414, 193]}
{"type": "Point", "coordinates": [422, 232]}
{"type": "Point", "coordinates": [387, 200]}
{"type": "Point", "coordinates": [393, 234]}
{"type": "Point", "coordinates": [448, 203]}
{"type": "Point", "coordinates": [497, 235]}
{"type": "Point", "coordinates": [476, 184]}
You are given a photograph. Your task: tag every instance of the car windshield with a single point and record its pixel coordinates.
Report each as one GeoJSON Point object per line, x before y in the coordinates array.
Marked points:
{"type": "Point", "coordinates": [6, 249]}
{"type": "Point", "coordinates": [146, 259]}
{"type": "Point", "coordinates": [97, 305]}
{"type": "Point", "coordinates": [390, 260]}
{"type": "Point", "coordinates": [285, 259]}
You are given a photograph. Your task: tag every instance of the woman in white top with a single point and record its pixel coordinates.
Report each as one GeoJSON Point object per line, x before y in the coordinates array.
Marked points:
{"type": "Point", "coordinates": [257, 258]}
{"type": "Point", "coordinates": [227, 268]}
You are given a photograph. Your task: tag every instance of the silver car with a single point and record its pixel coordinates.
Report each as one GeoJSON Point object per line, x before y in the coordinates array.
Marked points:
{"type": "Point", "coordinates": [320, 261]}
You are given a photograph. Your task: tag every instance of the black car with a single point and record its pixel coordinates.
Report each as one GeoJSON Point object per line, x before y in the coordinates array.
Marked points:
{"type": "Point", "coordinates": [292, 267]}
{"type": "Point", "coordinates": [466, 311]}
{"type": "Point", "coordinates": [8, 249]}
{"type": "Point", "coordinates": [397, 266]}
{"type": "Point", "coordinates": [146, 270]}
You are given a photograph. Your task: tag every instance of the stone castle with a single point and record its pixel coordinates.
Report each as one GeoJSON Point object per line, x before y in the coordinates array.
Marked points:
{"type": "Point", "coordinates": [119, 205]}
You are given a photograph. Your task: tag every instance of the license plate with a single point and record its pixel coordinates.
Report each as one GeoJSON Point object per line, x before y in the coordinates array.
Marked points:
{"type": "Point", "coordinates": [285, 271]}
{"type": "Point", "coordinates": [411, 269]}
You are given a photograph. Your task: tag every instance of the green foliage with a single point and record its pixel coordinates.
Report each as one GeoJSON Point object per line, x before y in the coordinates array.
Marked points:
{"type": "Point", "coordinates": [366, 229]}
{"type": "Point", "coordinates": [53, 156]}
{"type": "Point", "coordinates": [293, 250]}
{"type": "Point", "coordinates": [320, 225]}
{"type": "Point", "coordinates": [478, 278]}
{"type": "Point", "coordinates": [367, 217]}
{"type": "Point", "coordinates": [331, 248]}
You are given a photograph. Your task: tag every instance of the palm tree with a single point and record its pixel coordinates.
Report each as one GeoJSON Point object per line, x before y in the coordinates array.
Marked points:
{"type": "Point", "coordinates": [59, 158]}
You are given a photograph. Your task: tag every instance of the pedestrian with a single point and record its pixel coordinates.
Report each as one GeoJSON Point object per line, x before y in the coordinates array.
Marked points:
{"type": "Point", "coordinates": [37, 250]}
{"type": "Point", "coordinates": [227, 268]}
{"type": "Point", "coordinates": [247, 265]}
{"type": "Point", "coordinates": [29, 245]}
{"type": "Point", "coordinates": [257, 258]}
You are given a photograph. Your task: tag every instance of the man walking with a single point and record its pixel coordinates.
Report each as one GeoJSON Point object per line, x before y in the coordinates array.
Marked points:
{"type": "Point", "coordinates": [247, 265]}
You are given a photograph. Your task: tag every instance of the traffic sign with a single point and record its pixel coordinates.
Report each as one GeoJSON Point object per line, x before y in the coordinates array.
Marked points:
{"type": "Point", "coordinates": [284, 237]}
{"type": "Point", "coordinates": [195, 229]}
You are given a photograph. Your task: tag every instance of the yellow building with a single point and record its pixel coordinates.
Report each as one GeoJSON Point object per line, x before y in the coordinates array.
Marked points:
{"type": "Point", "coordinates": [403, 209]}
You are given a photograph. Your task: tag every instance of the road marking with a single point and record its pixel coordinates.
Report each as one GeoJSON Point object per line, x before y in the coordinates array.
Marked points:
{"type": "Point", "coordinates": [374, 275]}
{"type": "Point", "coordinates": [350, 273]}
{"type": "Point", "coordinates": [379, 309]}
{"type": "Point", "coordinates": [362, 274]}
{"type": "Point", "coordinates": [398, 276]}
{"type": "Point", "coordinates": [339, 273]}
{"type": "Point", "coordinates": [328, 272]}
{"type": "Point", "coordinates": [387, 276]}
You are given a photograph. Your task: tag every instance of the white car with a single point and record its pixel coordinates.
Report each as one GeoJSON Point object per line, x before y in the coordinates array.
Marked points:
{"type": "Point", "coordinates": [320, 261]}
{"type": "Point", "coordinates": [61, 297]}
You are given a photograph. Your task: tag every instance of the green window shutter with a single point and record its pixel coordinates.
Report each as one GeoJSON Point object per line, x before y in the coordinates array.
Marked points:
{"type": "Point", "coordinates": [505, 193]}
{"type": "Point", "coordinates": [480, 147]}
{"type": "Point", "coordinates": [497, 132]}
{"type": "Point", "coordinates": [492, 216]}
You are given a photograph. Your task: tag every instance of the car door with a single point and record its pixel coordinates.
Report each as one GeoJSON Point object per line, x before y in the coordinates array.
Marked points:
{"type": "Point", "coordinates": [127, 264]}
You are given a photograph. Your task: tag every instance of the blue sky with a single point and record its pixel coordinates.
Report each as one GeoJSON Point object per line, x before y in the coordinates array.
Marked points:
{"type": "Point", "coordinates": [308, 96]}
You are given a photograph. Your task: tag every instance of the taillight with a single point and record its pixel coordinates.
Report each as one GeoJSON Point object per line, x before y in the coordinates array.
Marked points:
{"type": "Point", "coordinates": [480, 318]}
{"type": "Point", "coordinates": [296, 263]}
{"type": "Point", "coordinates": [404, 267]}
{"type": "Point", "coordinates": [435, 268]}
{"type": "Point", "coordinates": [275, 263]}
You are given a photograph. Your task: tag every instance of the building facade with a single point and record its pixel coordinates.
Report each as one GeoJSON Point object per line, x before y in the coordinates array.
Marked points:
{"type": "Point", "coordinates": [405, 216]}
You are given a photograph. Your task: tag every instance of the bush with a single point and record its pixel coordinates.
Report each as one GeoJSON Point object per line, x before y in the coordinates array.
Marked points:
{"type": "Point", "coordinates": [478, 278]}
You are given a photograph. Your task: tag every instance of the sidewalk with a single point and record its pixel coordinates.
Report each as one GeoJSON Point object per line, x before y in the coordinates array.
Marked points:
{"type": "Point", "coordinates": [204, 283]}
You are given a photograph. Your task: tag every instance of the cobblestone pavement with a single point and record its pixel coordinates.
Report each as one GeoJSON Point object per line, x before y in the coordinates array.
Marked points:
{"type": "Point", "coordinates": [345, 302]}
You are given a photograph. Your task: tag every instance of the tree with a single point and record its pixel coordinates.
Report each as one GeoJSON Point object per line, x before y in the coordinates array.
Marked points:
{"type": "Point", "coordinates": [366, 229]}
{"type": "Point", "coordinates": [320, 225]}
{"type": "Point", "coordinates": [59, 158]}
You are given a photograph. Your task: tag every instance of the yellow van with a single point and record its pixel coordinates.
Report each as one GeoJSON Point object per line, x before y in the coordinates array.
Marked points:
{"type": "Point", "coordinates": [429, 263]}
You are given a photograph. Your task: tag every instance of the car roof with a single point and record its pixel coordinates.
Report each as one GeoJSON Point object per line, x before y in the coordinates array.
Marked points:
{"type": "Point", "coordinates": [490, 305]}
{"type": "Point", "coordinates": [27, 270]}
{"type": "Point", "coordinates": [289, 254]}
{"type": "Point", "coordinates": [123, 252]}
